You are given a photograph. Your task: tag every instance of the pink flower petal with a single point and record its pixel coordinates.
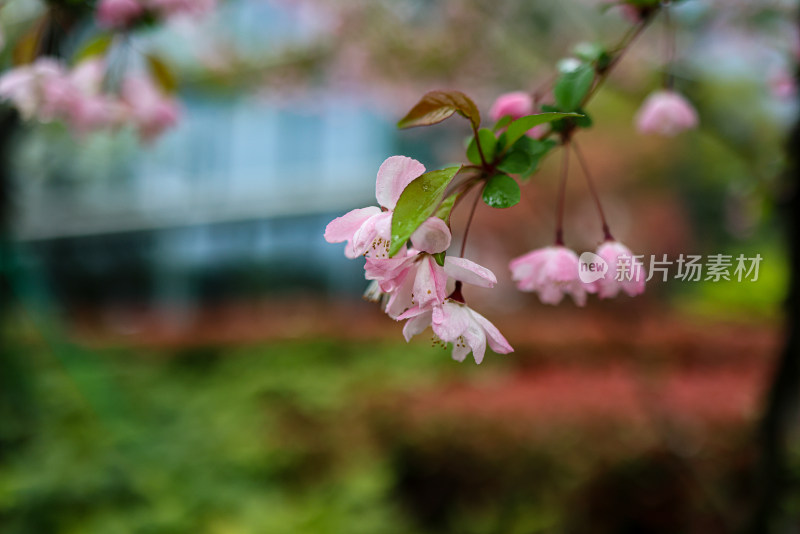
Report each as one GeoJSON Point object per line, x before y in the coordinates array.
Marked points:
{"type": "Point", "coordinates": [450, 320]}
{"type": "Point", "coordinates": [345, 227]}
{"type": "Point", "coordinates": [497, 342]}
{"type": "Point", "coordinates": [386, 268]}
{"type": "Point", "coordinates": [432, 236]}
{"type": "Point", "coordinates": [416, 325]}
{"type": "Point", "coordinates": [373, 235]}
{"type": "Point", "coordinates": [469, 272]}
{"type": "Point", "coordinates": [393, 177]}
{"type": "Point", "coordinates": [430, 282]}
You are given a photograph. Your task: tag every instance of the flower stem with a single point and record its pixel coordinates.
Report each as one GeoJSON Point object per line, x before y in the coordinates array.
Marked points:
{"type": "Point", "coordinates": [669, 47]}
{"type": "Point", "coordinates": [469, 223]}
{"type": "Point", "coordinates": [478, 144]}
{"type": "Point", "coordinates": [562, 196]}
{"type": "Point", "coordinates": [624, 45]}
{"type": "Point", "coordinates": [590, 181]}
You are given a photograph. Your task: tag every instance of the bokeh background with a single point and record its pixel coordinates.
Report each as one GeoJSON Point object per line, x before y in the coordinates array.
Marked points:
{"type": "Point", "coordinates": [184, 353]}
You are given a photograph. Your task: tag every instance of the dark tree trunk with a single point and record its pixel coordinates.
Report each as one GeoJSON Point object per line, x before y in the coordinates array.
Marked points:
{"type": "Point", "coordinates": [782, 397]}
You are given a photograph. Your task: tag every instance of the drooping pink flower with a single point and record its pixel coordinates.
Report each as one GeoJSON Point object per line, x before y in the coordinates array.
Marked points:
{"type": "Point", "coordinates": [456, 323]}
{"type": "Point", "coordinates": [666, 113]}
{"type": "Point", "coordinates": [118, 14]}
{"type": "Point", "coordinates": [368, 230]}
{"type": "Point", "coordinates": [625, 272]}
{"type": "Point", "coordinates": [151, 111]}
{"type": "Point", "coordinates": [552, 272]}
{"type": "Point", "coordinates": [418, 281]}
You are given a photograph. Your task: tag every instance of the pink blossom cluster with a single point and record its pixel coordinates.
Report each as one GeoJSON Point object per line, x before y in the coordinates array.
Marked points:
{"type": "Point", "coordinates": [47, 91]}
{"type": "Point", "coordinates": [123, 14]}
{"type": "Point", "coordinates": [553, 272]}
{"type": "Point", "coordinates": [412, 286]}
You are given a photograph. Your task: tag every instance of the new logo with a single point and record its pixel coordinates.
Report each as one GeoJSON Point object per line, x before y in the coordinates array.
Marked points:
{"type": "Point", "coordinates": [591, 267]}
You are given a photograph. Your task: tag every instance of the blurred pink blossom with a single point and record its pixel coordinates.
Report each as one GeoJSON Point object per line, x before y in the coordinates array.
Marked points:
{"type": "Point", "coordinates": [782, 84]}
{"type": "Point", "coordinates": [150, 110]}
{"type": "Point", "coordinates": [625, 272]}
{"type": "Point", "coordinates": [37, 90]}
{"type": "Point", "coordinates": [118, 14]}
{"type": "Point", "coordinates": [171, 8]}
{"type": "Point", "coordinates": [552, 272]}
{"type": "Point", "coordinates": [88, 108]}
{"type": "Point", "coordinates": [516, 105]}
{"type": "Point", "coordinates": [667, 113]}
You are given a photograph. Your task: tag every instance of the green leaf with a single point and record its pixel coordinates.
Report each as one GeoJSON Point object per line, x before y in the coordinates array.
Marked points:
{"type": "Point", "coordinates": [488, 145]}
{"type": "Point", "coordinates": [419, 200]}
{"type": "Point", "coordinates": [536, 150]}
{"type": "Point", "coordinates": [585, 121]}
{"type": "Point", "coordinates": [437, 106]}
{"type": "Point", "coordinates": [162, 73]}
{"type": "Point", "coordinates": [501, 191]}
{"type": "Point", "coordinates": [439, 257]}
{"type": "Point", "coordinates": [444, 209]}
{"type": "Point", "coordinates": [572, 87]}
{"type": "Point", "coordinates": [589, 52]}
{"type": "Point", "coordinates": [520, 127]}
{"type": "Point", "coordinates": [582, 120]}
{"type": "Point", "coordinates": [502, 123]}
{"type": "Point", "coordinates": [515, 162]}
{"type": "Point", "coordinates": [27, 47]}
{"type": "Point", "coordinates": [95, 47]}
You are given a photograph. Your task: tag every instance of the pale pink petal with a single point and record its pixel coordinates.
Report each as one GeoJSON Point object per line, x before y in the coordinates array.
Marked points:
{"type": "Point", "coordinates": [432, 236]}
{"type": "Point", "coordinates": [386, 268]}
{"type": "Point", "coordinates": [450, 320]}
{"type": "Point", "coordinates": [497, 342]}
{"type": "Point", "coordinates": [469, 272]}
{"type": "Point", "coordinates": [399, 303]}
{"type": "Point", "coordinates": [345, 227]}
{"type": "Point", "coordinates": [430, 282]}
{"type": "Point", "coordinates": [393, 177]}
{"type": "Point", "coordinates": [460, 351]}
{"type": "Point", "coordinates": [476, 340]}
{"type": "Point", "coordinates": [416, 325]}
{"type": "Point", "coordinates": [369, 239]}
